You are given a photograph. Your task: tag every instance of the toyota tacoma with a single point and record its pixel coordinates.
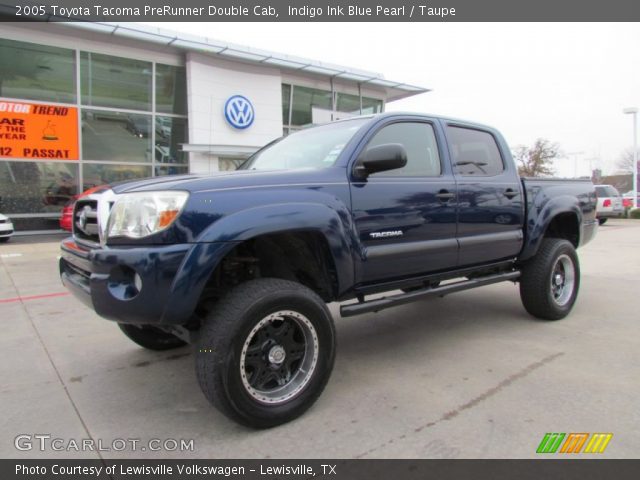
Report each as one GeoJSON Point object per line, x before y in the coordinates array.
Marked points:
{"type": "Point", "coordinates": [242, 264]}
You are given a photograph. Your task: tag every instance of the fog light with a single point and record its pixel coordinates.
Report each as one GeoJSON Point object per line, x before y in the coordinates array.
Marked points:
{"type": "Point", "coordinates": [124, 283]}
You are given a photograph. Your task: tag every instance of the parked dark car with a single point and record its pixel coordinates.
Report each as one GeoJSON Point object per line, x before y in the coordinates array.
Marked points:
{"type": "Point", "coordinates": [242, 264]}
{"type": "Point", "coordinates": [138, 125]}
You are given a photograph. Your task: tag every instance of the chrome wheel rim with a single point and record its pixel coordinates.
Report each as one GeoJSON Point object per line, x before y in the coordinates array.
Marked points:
{"type": "Point", "coordinates": [279, 357]}
{"type": "Point", "coordinates": [563, 280]}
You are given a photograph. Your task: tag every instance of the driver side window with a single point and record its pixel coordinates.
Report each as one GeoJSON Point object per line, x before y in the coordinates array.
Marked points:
{"type": "Point", "coordinates": [419, 140]}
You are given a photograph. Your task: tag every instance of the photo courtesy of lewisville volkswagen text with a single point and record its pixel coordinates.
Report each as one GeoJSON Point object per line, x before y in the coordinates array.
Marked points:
{"type": "Point", "coordinates": [319, 239]}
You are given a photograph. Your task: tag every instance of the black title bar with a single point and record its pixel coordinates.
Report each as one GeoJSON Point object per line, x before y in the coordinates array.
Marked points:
{"type": "Point", "coordinates": [583, 469]}
{"type": "Point", "coordinates": [320, 10]}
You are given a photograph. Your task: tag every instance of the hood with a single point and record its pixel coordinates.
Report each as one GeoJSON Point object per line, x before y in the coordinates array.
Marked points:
{"type": "Point", "coordinates": [234, 179]}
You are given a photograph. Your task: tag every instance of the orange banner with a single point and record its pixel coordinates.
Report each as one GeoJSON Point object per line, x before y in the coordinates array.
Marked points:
{"type": "Point", "coordinates": [37, 131]}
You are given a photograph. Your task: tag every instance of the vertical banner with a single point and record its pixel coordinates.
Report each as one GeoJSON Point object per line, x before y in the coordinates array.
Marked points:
{"type": "Point", "coordinates": [38, 131]}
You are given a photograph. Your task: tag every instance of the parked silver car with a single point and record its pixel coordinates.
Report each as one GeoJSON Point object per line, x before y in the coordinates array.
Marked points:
{"type": "Point", "coordinates": [609, 203]}
{"type": "Point", "coordinates": [6, 228]}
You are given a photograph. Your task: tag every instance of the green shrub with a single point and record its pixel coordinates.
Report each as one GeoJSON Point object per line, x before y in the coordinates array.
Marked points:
{"type": "Point", "coordinates": [635, 213]}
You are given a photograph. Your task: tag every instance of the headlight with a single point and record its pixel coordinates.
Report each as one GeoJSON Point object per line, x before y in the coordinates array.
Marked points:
{"type": "Point", "coordinates": [138, 215]}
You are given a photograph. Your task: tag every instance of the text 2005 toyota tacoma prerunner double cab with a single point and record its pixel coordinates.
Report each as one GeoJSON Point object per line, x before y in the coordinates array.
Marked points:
{"type": "Point", "coordinates": [242, 264]}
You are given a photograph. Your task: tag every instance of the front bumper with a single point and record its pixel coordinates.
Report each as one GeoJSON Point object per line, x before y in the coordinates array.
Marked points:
{"type": "Point", "coordinates": [131, 285]}
{"type": "Point", "coordinates": [6, 229]}
{"type": "Point", "coordinates": [159, 284]}
{"type": "Point", "coordinates": [611, 214]}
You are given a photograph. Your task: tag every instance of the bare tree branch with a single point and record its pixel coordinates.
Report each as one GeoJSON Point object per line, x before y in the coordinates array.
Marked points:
{"type": "Point", "coordinates": [625, 161]}
{"type": "Point", "coordinates": [536, 161]}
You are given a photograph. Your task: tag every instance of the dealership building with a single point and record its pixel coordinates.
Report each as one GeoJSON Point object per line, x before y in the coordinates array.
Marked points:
{"type": "Point", "coordinates": [84, 104]}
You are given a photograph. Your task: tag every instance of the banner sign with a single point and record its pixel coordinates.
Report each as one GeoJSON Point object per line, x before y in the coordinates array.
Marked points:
{"type": "Point", "coordinates": [38, 131]}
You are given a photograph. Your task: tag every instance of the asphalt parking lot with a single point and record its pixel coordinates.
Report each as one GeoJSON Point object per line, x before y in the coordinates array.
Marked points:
{"type": "Point", "coordinates": [470, 375]}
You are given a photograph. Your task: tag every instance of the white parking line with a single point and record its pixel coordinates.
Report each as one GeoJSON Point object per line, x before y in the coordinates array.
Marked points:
{"type": "Point", "coordinates": [10, 255]}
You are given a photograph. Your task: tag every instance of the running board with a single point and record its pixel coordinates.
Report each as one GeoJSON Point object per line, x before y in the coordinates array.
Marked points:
{"type": "Point", "coordinates": [395, 300]}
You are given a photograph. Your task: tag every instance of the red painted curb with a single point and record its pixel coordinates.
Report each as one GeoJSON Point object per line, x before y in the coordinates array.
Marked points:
{"type": "Point", "coordinates": [33, 297]}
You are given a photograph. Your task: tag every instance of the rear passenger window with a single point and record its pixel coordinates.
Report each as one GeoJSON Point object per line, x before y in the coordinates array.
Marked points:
{"type": "Point", "coordinates": [419, 140]}
{"type": "Point", "coordinates": [474, 152]}
{"type": "Point", "coordinates": [613, 192]}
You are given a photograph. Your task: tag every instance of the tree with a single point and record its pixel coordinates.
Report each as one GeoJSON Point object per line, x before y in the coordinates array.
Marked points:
{"type": "Point", "coordinates": [536, 161]}
{"type": "Point", "coordinates": [625, 161]}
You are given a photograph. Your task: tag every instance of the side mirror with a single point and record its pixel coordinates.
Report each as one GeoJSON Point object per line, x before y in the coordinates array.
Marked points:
{"type": "Point", "coordinates": [379, 159]}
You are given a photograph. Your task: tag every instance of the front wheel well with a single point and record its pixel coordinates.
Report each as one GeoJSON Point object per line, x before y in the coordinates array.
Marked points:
{"type": "Point", "coordinates": [300, 256]}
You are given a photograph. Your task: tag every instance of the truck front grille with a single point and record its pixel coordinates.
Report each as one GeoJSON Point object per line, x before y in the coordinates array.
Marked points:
{"type": "Point", "coordinates": [85, 220]}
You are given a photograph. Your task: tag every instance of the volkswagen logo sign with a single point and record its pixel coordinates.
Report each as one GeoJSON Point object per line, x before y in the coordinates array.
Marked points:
{"type": "Point", "coordinates": [239, 112]}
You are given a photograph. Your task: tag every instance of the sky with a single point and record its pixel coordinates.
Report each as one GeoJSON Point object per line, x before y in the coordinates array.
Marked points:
{"type": "Point", "coordinates": [566, 82]}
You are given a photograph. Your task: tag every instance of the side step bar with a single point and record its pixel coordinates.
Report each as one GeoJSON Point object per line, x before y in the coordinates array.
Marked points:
{"type": "Point", "coordinates": [400, 299]}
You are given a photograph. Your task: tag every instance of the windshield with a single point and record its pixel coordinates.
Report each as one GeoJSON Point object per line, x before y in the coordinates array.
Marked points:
{"type": "Point", "coordinates": [316, 147]}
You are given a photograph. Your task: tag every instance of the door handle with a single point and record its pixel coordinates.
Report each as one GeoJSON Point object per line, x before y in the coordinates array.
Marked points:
{"type": "Point", "coordinates": [445, 195]}
{"type": "Point", "coordinates": [510, 193]}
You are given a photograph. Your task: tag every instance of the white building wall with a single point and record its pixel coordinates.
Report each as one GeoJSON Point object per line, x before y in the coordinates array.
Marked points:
{"type": "Point", "coordinates": [210, 82]}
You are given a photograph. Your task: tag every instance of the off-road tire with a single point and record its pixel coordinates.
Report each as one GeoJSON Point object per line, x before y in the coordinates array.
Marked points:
{"type": "Point", "coordinates": [222, 346]}
{"type": "Point", "coordinates": [151, 337]}
{"type": "Point", "coordinates": [536, 287]}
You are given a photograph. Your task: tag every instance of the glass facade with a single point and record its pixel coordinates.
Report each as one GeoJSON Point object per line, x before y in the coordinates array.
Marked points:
{"type": "Point", "coordinates": [132, 121]}
{"type": "Point", "coordinates": [298, 104]}
{"type": "Point", "coordinates": [36, 187]}
{"type": "Point", "coordinates": [171, 89]}
{"type": "Point", "coordinates": [115, 82]}
{"type": "Point", "coordinates": [37, 72]}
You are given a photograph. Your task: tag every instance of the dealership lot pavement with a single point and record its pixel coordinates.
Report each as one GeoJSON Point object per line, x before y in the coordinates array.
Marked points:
{"type": "Point", "coordinates": [469, 375]}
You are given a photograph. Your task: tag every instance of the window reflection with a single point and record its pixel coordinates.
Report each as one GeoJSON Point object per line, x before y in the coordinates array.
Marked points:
{"type": "Point", "coordinates": [172, 170]}
{"type": "Point", "coordinates": [36, 187]}
{"type": "Point", "coordinates": [37, 72]}
{"type": "Point", "coordinates": [171, 89]}
{"type": "Point", "coordinates": [304, 99]}
{"type": "Point", "coordinates": [351, 104]}
{"type": "Point", "coordinates": [101, 174]}
{"type": "Point", "coordinates": [116, 82]}
{"type": "Point", "coordinates": [286, 103]}
{"type": "Point", "coordinates": [116, 136]}
{"type": "Point", "coordinates": [170, 133]}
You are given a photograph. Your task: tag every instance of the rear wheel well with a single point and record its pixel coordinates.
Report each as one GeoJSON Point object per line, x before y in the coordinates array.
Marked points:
{"type": "Point", "coordinates": [300, 256]}
{"type": "Point", "coordinates": [566, 226]}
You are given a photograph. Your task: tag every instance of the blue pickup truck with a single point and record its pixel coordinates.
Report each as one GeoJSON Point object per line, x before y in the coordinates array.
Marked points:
{"type": "Point", "coordinates": [242, 264]}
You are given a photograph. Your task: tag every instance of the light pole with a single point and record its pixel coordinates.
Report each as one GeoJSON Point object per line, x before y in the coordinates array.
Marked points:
{"type": "Point", "coordinates": [634, 111]}
{"type": "Point", "coordinates": [575, 162]}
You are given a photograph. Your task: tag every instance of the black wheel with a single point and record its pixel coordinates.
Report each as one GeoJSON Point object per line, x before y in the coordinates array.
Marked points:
{"type": "Point", "coordinates": [550, 281]}
{"type": "Point", "coordinates": [151, 337]}
{"type": "Point", "coordinates": [4, 239]}
{"type": "Point", "coordinates": [265, 352]}
{"type": "Point", "coordinates": [602, 221]}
